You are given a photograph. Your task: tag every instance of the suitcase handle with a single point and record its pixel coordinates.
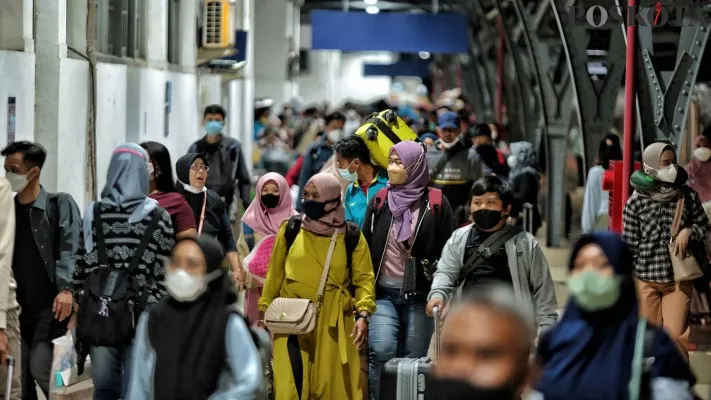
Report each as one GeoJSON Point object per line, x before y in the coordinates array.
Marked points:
{"type": "Point", "coordinates": [10, 368]}
{"type": "Point", "coordinates": [436, 314]}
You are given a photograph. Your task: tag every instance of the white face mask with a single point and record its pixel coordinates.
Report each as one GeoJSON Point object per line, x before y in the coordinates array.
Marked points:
{"type": "Point", "coordinates": [335, 135]}
{"type": "Point", "coordinates": [666, 174]}
{"type": "Point", "coordinates": [702, 153]}
{"type": "Point", "coordinates": [512, 160]}
{"type": "Point", "coordinates": [184, 287]}
{"type": "Point", "coordinates": [17, 182]}
{"type": "Point", "coordinates": [193, 189]}
{"type": "Point", "coordinates": [446, 145]}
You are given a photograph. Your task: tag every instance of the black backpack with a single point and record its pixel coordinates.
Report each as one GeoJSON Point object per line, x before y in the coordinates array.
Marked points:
{"type": "Point", "coordinates": [352, 236]}
{"type": "Point", "coordinates": [109, 305]}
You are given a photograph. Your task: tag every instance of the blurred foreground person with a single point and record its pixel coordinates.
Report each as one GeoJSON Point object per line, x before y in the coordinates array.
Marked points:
{"type": "Point", "coordinates": [485, 347]}
{"type": "Point", "coordinates": [601, 349]}
{"type": "Point", "coordinates": [194, 345]}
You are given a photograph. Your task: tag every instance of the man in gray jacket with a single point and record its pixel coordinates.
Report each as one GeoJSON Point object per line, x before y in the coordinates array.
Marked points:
{"type": "Point", "coordinates": [520, 262]}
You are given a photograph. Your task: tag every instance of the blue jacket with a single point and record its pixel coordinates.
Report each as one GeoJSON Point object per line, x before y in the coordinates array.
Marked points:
{"type": "Point", "coordinates": [356, 201]}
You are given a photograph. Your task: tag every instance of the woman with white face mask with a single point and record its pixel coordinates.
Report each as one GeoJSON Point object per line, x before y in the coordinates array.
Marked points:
{"type": "Point", "coordinates": [195, 345]}
{"type": "Point", "coordinates": [648, 219]}
{"type": "Point", "coordinates": [699, 168]}
{"type": "Point", "coordinates": [210, 211]}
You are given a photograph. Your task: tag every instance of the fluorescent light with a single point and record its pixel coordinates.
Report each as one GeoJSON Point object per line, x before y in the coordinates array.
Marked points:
{"type": "Point", "coordinates": [424, 55]}
{"type": "Point", "coordinates": [371, 2]}
{"type": "Point", "coordinates": [372, 10]}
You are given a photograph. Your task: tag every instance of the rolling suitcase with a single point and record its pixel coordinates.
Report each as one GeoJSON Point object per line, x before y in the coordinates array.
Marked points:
{"type": "Point", "coordinates": [10, 368]}
{"type": "Point", "coordinates": [381, 131]}
{"type": "Point", "coordinates": [409, 378]}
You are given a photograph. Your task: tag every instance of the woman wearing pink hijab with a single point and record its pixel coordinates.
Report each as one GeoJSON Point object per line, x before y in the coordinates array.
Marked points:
{"type": "Point", "coordinates": [260, 224]}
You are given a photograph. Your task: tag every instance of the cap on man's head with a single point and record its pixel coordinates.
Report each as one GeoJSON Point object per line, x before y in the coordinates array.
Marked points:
{"type": "Point", "coordinates": [449, 120]}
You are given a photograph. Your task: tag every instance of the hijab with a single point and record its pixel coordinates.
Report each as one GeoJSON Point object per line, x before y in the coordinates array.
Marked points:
{"type": "Point", "coordinates": [588, 355]}
{"type": "Point", "coordinates": [646, 183]}
{"type": "Point", "coordinates": [329, 189]}
{"type": "Point", "coordinates": [193, 196]}
{"type": "Point", "coordinates": [526, 161]}
{"type": "Point", "coordinates": [127, 185]}
{"type": "Point", "coordinates": [266, 221]}
{"type": "Point", "coordinates": [401, 198]}
{"type": "Point", "coordinates": [189, 337]}
{"type": "Point", "coordinates": [700, 173]}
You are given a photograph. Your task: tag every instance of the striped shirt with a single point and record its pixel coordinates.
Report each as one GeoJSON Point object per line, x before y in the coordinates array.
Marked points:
{"type": "Point", "coordinates": [647, 231]}
{"type": "Point", "coordinates": [122, 240]}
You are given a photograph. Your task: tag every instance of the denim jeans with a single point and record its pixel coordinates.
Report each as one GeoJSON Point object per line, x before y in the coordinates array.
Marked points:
{"type": "Point", "coordinates": [111, 370]}
{"type": "Point", "coordinates": [36, 367]}
{"type": "Point", "coordinates": [399, 328]}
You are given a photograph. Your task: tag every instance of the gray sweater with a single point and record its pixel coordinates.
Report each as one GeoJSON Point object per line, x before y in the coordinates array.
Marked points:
{"type": "Point", "coordinates": [532, 282]}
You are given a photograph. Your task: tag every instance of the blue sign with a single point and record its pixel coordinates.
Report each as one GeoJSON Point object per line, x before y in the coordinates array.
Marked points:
{"type": "Point", "coordinates": [400, 68]}
{"type": "Point", "coordinates": [392, 31]}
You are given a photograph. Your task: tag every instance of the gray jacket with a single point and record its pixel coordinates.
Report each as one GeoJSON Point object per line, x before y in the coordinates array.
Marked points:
{"type": "Point", "coordinates": [532, 282]}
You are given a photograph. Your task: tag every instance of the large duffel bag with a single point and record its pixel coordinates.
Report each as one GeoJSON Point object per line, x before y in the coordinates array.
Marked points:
{"type": "Point", "coordinates": [381, 131]}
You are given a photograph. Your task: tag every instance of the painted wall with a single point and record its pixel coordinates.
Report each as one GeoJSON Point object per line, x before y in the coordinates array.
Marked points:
{"type": "Point", "coordinates": [17, 79]}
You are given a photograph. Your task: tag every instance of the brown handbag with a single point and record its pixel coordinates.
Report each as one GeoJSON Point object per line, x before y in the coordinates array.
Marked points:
{"type": "Point", "coordinates": [685, 266]}
{"type": "Point", "coordinates": [291, 316]}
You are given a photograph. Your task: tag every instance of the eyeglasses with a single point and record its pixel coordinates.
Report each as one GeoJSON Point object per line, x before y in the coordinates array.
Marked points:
{"type": "Point", "coordinates": [200, 168]}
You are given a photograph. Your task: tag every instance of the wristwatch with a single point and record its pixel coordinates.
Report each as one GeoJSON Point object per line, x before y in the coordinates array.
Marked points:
{"type": "Point", "coordinates": [365, 317]}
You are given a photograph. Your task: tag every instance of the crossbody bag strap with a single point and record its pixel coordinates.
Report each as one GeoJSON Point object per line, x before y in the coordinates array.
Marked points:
{"type": "Point", "coordinates": [677, 217]}
{"type": "Point", "coordinates": [326, 268]}
{"type": "Point", "coordinates": [485, 250]}
{"type": "Point", "coordinates": [635, 383]}
{"type": "Point", "coordinates": [100, 243]}
{"type": "Point", "coordinates": [202, 214]}
{"type": "Point", "coordinates": [147, 236]}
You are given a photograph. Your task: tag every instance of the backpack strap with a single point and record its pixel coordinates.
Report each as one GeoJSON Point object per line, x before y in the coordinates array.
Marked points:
{"type": "Point", "coordinates": [147, 236]}
{"type": "Point", "coordinates": [435, 198]}
{"type": "Point", "coordinates": [352, 240]}
{"type": "Point", "coordinates": [292, 230]}
{"type": "Point", "coordinates": [381, 197]}
{"type": "Point", "coordinates": [100, 243]}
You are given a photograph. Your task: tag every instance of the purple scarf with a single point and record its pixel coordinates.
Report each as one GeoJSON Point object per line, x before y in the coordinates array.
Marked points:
{"type": "Point", "coordinates": [402, 197]}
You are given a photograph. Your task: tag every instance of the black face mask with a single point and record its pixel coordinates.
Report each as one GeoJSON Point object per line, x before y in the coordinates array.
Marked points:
{"type": "Point", "coordinates": [454, 389]}
{"type": "Point", "coordinates": [270, 200]}
{"type": "Point", "coordinates": [315, 209]}
{"type": "Point", "coordinates": [487, 219]}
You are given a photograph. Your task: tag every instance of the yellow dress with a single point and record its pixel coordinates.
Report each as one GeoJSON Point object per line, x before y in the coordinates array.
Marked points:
{"type": "Point", "coordinates": [331, 366]}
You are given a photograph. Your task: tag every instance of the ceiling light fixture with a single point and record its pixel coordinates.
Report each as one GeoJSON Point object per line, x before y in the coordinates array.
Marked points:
{"type": "Point", "coordinates": [372, 10]}
{"type": "Point", "coordinates": [371, 2]}
{"type": "Point", "coordinates": [424, 55]}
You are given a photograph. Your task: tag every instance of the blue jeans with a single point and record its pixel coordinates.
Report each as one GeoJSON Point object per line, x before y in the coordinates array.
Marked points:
{"type": "Point", "coordinates": [399, 328]}
{"type": "Point", "coordinates": [111, 370]}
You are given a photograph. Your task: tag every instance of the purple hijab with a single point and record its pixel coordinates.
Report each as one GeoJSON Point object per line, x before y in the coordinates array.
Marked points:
{"type": "Point", "coordinates": [402, 197]}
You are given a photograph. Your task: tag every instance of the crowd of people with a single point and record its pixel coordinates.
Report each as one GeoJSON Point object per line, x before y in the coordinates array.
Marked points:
{"type": "Point", "coordinates": [343, 263]}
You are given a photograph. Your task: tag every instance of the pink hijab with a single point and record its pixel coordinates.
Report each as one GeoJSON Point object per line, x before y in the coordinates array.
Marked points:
{"type": "Point", "coordinates": [328, 188]}
{"type": "Point", "coordinates": [264, 220]}
{"type": "Point", "coordinates": [700, 175]}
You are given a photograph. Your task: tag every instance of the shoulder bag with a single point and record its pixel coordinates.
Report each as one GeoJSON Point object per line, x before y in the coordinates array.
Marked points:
{"type": "Point", "coordinates": [291, 316]}
{"type": "Point", "coordinates": [685, 266]}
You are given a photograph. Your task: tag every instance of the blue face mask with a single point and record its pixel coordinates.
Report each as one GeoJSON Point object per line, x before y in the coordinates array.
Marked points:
{"type": "Point", "coordinates": [214, 127]}
{"type": "Point", "coordinates": [346, 175]}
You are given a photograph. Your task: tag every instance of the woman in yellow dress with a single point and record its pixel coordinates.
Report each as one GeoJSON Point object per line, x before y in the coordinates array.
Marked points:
{"type": "Point", "coordinates": [323, 364]}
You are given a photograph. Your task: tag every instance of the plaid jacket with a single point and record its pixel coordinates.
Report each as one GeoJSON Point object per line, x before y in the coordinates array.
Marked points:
{"type": "Point", "coordinates": [647, 231]}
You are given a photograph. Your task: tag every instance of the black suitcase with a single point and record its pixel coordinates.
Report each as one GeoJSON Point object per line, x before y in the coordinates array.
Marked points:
{"type": "Point", "coordinates": [409, 378]}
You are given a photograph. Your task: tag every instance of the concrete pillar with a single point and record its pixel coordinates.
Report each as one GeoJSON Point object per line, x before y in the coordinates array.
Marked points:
{"type": "Point", "coordinates": [271, 49]}
{"type": "Point", "coordinates": [188, 33]}
{"type": "Point", "coordinates": [210, 90]}
{"type": "Point", "coordinates": [247, 82]}
{"type": "Point", "coordinates": [155, 23]}
{"type": "Point", "coordinates": [50, 49]}
{"type": "Point", "coordinates": [557, 146]}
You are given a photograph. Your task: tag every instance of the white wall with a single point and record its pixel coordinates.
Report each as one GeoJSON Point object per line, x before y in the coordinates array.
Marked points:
{"type": "Point", "coordinates": [17, 79]}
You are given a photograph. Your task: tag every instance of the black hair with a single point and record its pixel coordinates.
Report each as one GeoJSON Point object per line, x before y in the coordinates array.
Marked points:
{"type": "Point", "coordinates": [608, 152]}
{"type": "Point", "coordinates": [335, 116]}
{"type": "Point", "coordinates": [163, 168]}
{"type": "Point", "coordinates": [707, 132]}
{"type": "Point", "coordinates": [493, 184]}
{"type": "Point", "coordinates": [480, 129]}
{"type": "Point", "coordinates": [215, 109]}
{"type": "Point", "coordinates": [33, 154]}
{"type": "Point", "coordinates": [352, 147]}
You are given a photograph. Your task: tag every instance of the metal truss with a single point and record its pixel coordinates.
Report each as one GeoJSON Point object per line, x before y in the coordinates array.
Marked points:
{"type": "Point", "coordinates": [668, 63]}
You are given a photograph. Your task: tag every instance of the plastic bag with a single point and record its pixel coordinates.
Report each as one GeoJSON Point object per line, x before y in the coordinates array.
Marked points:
{"type": "Point", "coordinates": [64, 365]}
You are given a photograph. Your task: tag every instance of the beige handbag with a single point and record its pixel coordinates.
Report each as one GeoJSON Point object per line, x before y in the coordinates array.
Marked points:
{"type": "Point", "coordinates": [290, 316]}
{"type": "Point", "coordinates": [685, 267]}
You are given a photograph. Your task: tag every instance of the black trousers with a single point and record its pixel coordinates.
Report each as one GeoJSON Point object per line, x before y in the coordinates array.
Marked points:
{"type": "Point", "coordinates": [36, 367]}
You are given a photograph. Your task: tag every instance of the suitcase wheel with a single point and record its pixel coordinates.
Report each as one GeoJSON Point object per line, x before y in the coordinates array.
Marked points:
{"type": "Point", "coordinates": [371, 133]}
